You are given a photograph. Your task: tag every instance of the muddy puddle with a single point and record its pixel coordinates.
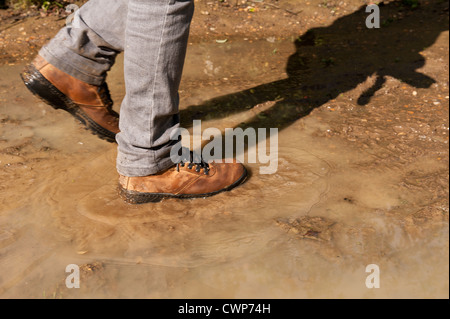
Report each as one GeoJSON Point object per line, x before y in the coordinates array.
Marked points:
{"type": "Point", "coordinates": [334, 206]}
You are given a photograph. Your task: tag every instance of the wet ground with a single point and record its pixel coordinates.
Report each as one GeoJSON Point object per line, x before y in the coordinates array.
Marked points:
{"type": "Point", "coordinates": [362, 176]}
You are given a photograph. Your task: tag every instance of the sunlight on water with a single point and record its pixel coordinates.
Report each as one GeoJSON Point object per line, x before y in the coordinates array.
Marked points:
{"type": "Point", "coordinates": [59, 206]}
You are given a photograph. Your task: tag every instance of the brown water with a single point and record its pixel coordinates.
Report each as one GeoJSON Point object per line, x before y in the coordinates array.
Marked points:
{"type": "Point", "coordinates": [59, 205]}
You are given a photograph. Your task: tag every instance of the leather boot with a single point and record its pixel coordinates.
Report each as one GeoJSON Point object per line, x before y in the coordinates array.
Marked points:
{"type": "Point", "coordinates": [90, 104]}
{"type": "Point", "coordinates": [183, 181]}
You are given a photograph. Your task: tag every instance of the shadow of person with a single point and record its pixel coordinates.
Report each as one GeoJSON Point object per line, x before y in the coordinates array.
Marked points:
{"type": "Point", "coordinates": [335, 59]}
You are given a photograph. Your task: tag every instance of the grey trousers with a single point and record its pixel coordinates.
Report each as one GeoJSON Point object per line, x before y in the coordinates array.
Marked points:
{"type": "Point", "coordinates": [153, 35]}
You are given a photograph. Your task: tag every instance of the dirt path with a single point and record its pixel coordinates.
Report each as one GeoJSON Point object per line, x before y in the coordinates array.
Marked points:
{"type": "Point", "coordinates": [23, 33]}
{"type": "Point", "coordinates": [362, 172]}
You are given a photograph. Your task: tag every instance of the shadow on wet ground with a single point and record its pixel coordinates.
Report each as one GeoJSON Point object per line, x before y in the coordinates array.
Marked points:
{"type": "Point", "coordinates": [332, 60]}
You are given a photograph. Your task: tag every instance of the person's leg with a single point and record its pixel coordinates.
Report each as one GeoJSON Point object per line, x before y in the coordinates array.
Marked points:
{"type": "Point", "coordinates": [88, 47]}
{"type": "Point", "coordinates": [155, 45]}
{"type": "Point", "coordinates": [69, 72]}
{"type": "Point", "coordinates": [156, 38]}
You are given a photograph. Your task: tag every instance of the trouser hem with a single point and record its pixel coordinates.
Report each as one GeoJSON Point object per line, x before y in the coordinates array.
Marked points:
{"type": "Point", "coordinates": [70, 68]}
{"type": "Point", "coordinates": [130, 171]}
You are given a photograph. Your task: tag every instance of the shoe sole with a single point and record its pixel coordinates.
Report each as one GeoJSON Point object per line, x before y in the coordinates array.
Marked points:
{"type": "Point", "coordinates": [49, 94]}
{"type": "Point", "coordinates": [134, 197]}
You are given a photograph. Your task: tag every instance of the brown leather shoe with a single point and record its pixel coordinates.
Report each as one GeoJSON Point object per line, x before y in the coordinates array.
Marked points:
{"type": "Point", "coordinates": [90, 104]}
{"type": "Point", "coordinates": [183, 181]}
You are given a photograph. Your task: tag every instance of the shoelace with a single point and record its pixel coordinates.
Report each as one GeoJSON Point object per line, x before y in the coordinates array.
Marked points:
{"type": "Point", "coordinates": [199, 163]}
